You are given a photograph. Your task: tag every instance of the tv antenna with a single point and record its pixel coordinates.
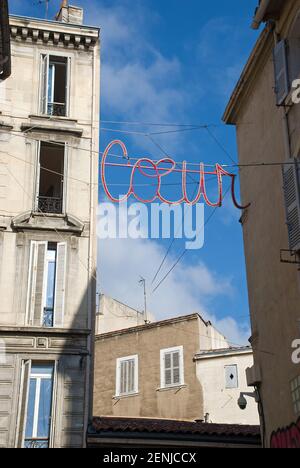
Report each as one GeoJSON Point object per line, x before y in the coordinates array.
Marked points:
{"type": "Point", "coordinates": [46, 3]}
{"type": "Point", "coordinates": [142, 282]}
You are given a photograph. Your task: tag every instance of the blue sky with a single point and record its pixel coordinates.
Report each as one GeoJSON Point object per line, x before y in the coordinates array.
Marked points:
{"type": "Point", "coordinates": [173, 61]}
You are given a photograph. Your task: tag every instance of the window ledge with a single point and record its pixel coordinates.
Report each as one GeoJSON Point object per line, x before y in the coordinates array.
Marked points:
{"type": "Point", "coordinates": [57, 126]}
{"type": "Point", "coordinates": [52, 118]}
{"type": "Point", "coordinates": [173, 387]}
{"type": "Point", "coordinates": [124, 397]}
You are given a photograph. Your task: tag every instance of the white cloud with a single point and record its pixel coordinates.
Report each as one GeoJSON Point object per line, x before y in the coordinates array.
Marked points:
{"type": "Point", "coordinates": [189, 289]}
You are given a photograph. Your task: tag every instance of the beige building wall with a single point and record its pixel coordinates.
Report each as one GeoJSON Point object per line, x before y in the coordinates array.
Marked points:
{"type": "Point", "coordinates": [184, 402]}
{"type": "Point", "coordinates": [220, 402]}
{"type": "Point", "coordinates": [274, 292]}
{"type": "Point", "coordinates": [113, 315]}
{"type": "Point", "coordinates": [22, 126]}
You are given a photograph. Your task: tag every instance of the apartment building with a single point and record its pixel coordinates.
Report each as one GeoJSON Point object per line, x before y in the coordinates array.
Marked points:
{"type": "Point", "coordinates": [5, 54]}
{"type": "Point", "coordinates": [266, 112]}
{"type": "Point", "coordinates": [49, 137]}
{"type": "Point", "coordinates": [155, 371]}
{"type": "Point", "coordinates": [222, 373]}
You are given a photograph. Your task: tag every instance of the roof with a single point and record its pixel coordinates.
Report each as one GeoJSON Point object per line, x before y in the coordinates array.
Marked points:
{"type": "Point", "coordinates": [102, 426]}
{"type": "Point", "coordinates": [215, 353]}
{"type": "Point", "coordinates": [266, 10]}
{"type": "Point", "coordinates": [149, 326]}
{"type": "Point", "coordinates": [261, 51]}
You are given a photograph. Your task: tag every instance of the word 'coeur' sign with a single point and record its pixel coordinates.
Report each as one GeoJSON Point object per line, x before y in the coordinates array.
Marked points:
{"type": "Point", "coordinates": [157, 170]}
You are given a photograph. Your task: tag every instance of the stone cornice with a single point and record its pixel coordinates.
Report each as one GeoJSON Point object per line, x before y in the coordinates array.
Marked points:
{"type": "Point", "coordinates": [53, 33]}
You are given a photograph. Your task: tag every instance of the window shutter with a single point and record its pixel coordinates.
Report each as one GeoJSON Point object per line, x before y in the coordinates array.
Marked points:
{"type": "Point", "coordinates": [35, 300]}
{"type": "Point", "coordinates": [291, 187]}
{"type": "Point", "coordinates": [176, 368]}
{"type": "Point", "coordinates": [231, 376]}
{"type": "Point", "coordinates": [24, 390]}
{"type": "Point", "coordinates": [44, 84]}
{"type": "Point", "coordinates": [168, 369]}
{"type": "Point", "coordinates": [281, 71]}
{"type": "Point", "coordinates": [60, 284]}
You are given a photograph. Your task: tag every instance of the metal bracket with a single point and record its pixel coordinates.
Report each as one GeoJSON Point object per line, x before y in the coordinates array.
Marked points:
{"type": "Point", "coordinates": [294, 258]}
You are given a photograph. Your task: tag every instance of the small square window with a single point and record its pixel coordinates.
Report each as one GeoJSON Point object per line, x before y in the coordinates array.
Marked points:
{"type": "Point", "coordinates": [231, 377]}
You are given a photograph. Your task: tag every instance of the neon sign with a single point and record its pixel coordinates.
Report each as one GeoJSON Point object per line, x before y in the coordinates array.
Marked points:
{"type": "Point", "coordinates": [159, 170]}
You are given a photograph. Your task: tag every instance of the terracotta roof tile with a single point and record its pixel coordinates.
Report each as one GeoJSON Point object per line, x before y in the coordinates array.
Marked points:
{"type": "Point", "coordinates": [139, 425]}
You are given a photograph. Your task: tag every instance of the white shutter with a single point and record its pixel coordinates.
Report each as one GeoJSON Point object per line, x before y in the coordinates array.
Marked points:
{"type": "Point", "coordinates": [282, 87]}
{"type": "Point", "coordinates": [44, 84]}
{"type": "Point", "coordinates": [176, 368]}
{"type": "Point", "coordinates": [60, 284]}
{"type": "Point", "coordinates": [23, 403]}
{"type": "Point", "coordinates": [127, 376]}
{"type": "Point", "coordinates": [168, 369]}
{"type": "Point", "coordinates": [231, 377]}
{"type": "Point", "coordinates": [291, 187]}
{"type": "Point", "coordinates": [35, 297]}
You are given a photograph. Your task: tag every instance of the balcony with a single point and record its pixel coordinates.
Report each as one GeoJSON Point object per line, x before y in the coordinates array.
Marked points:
{"type": "Point", "coordinates": [48, 317]}
{"type": "Point", "coordinates": [36, 443]}
{"type": "Point", "coordinates": [57, 109]}
{"type": "Point", "coordinates": [50, 205]}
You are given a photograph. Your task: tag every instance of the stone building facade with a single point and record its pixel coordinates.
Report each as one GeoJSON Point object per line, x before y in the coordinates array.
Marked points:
{"type": "Point", "coordinates": [266, 112]}
{"type": "Point", "coordinates": [169, 370]}
{"type": "Point", "coordinates": [49, 144]}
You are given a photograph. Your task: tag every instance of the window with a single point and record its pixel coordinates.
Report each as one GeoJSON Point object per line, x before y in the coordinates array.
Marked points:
{"type": "Point", "coordinates": [54, 93]}
{"type": "Point", "coordinates": [295, 387]}
{"type": "Point", "coordinates": [231, 377]}
{"type": "Point", "coordinates": [286, 57]}
{"type": "Point", "coordinates": [171, 367]}
{"type": "Point", "coordinates": [46, 284]}
{"type": "Point", "coordinates": [291, 188]}
{"type": "Point", "coordinates": [50, 182]}
{"type": "Point", "coordinates": [35, 409]}
{"type": "Point", "coordinates": [127, 376]}
{"type": "Point", "coordinates": [282, 86]}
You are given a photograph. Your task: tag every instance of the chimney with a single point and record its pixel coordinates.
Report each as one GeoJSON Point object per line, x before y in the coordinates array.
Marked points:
{"type": "Point", "coordinates": [69, 13]}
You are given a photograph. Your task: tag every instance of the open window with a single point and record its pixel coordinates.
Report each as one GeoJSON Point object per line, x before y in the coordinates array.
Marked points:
{"type": "Point", "coordinates": [36, 403]}
{"type": "Point", "coordinates": [55, 85]}
{"type": "Point", "coordinates": [46, 284]}
{"type": "Point", "coordinates": [50, 183]}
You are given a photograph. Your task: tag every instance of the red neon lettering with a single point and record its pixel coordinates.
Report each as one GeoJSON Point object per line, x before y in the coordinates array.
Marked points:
{"type": "Point", "coordinates": [156, 171]}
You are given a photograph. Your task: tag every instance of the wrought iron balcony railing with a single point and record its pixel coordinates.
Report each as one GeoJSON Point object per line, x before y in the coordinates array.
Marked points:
{"type": "Point", "coordinates": [57, 109]}
{"type": "Point", "coordinates": [36, 443]}
{"type": "Point", "coordinates": [50, 205]}
{"type": "Point", "coordinates": [48, 317]}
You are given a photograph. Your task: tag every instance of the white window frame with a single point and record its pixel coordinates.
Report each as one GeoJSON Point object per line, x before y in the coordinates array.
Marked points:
{"type": "Point", "coordinates": [39, 378]}
{"type": "Point", "coordinates": [226, 368]}
{"type": "Point", "coordinates": [134, 358]}
{"type": "Point", "coordinates": [43, 55]}
{"type": "Point", "coordinates": [165, 351]}
{"type": "Point", "coordinates": [38, 173]}
{"type": "Point", "coordinates": [32, 255]}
